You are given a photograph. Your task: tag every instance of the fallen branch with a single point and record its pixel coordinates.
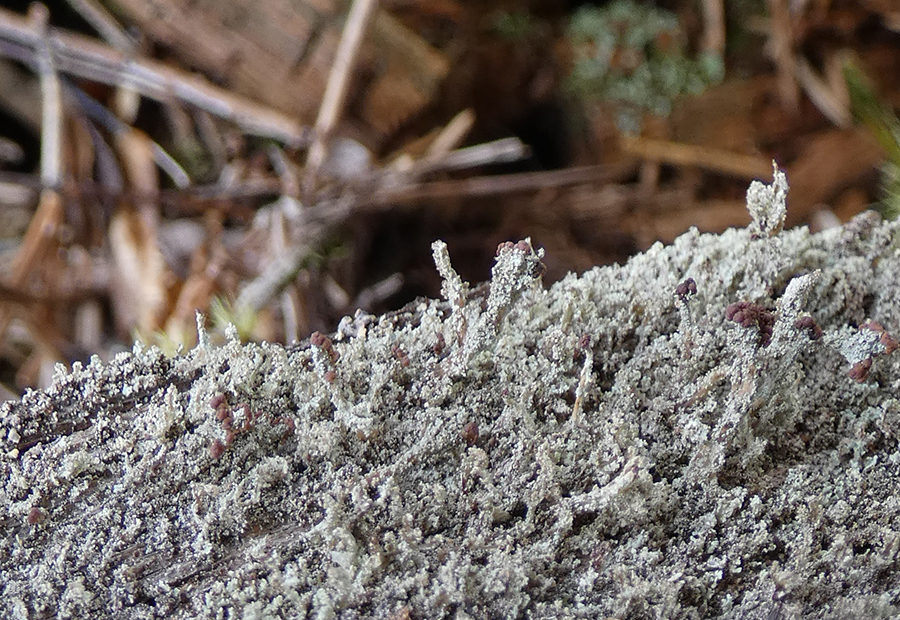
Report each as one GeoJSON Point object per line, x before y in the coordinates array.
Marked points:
{"type": "Point", "coordinates": [570, 452]}
{"type": "Point", "coordinates": [87, 58]}
{"type": "Point", "coordinates": [336, 90]}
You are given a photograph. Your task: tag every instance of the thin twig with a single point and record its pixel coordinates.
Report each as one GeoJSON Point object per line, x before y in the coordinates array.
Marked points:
{"type": "Point", "coordinates": [378, 292]}
{"type": "Point", "coordinates": [390, 197]}
{"type": "Point", "coordinates": [392, 188]}
{"type": "Point", "coordinates": [104, 23]}
{"type": "Point", "coordinates": [781, 50]}
{"type": "Point", "coordinates": [336, 90]}
{"type": "Point", "coordinates": [290, 186]}
{"type": "Point", "coordinates": [96, 112]}
{"type": "Point", "coordinates": [501, 151]}
{"type": "Point", "coordinates": [91, 60]}
{"type": "Point", "coordinates": [252, 189]}
{"type": "Point", "coordinates": [51, 102]}
{"type": "Point", "coordinates": [717, 160]}
{"type": "Point", "coordinates": [453, 134]}
{"type": "Point", "coordinates": [713, 27]}
{"type": "Point", "coordinates": [46, 220]}
{"type": "Point", "coordinates": [835, 106]}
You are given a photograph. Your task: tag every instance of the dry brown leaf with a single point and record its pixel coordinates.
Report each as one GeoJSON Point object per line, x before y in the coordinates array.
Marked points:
{"type": "Point", "coordinates": [139, 282]}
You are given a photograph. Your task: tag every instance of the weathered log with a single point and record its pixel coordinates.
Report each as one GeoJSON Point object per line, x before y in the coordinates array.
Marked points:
{"type": "Point", "coordinates": [709, 431]}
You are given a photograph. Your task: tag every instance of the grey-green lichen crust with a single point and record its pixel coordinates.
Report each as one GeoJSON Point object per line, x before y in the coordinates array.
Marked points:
{"type": "Point", "coordinates": [602, 448]}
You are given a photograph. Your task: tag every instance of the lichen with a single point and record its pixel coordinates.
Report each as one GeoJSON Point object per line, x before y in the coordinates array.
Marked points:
{"type": "Point", "coordinates": [768, 205]}
{"type": "Point", "coordinates": [612, 446]}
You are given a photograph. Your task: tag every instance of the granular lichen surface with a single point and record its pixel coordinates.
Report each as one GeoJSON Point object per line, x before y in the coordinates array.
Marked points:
{"type": "Point", "coordinates": [607, 447]}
